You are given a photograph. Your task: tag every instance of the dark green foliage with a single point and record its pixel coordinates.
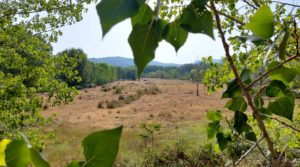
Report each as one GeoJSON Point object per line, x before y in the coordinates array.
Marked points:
{"type": "Point", "coordinates": [112, 12]}
{"type": "Point", "coordinates": [143, 41]}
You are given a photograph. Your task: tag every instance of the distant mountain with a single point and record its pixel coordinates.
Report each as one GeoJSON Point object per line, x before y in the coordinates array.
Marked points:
{"type": "Point", "coordinates": [126, 62]}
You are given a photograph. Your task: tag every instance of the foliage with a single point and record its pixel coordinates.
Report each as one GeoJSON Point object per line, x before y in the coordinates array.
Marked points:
{"type": "Point", "coordinates": [100, 149]}
{"type": "Point", "coordinates": [28, 71]}
{"type": "Point", "coordinates": [269, 61]}
{"type": "Point", "coordinates": [179, 155]}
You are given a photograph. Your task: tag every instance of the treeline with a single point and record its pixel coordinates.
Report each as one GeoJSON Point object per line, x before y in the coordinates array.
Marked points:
{"type": "Point", "coordinates": [90, 74]}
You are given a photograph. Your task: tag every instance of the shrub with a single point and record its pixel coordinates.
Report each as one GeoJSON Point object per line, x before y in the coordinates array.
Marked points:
{"type": "Point", "coordinates": [114, 104]}
{"type": "Point", "coordinates": [101, 104]}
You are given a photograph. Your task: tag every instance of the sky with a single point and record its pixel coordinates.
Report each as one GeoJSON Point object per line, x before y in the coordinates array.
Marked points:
{"type": "Point", "coordinates": [87, 35]}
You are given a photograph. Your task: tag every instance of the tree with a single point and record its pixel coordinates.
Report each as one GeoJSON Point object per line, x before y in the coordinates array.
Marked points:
{"type": "Point", "coordinates": [28, 71]}
{"type": "Point", "coordinates": [269, 59]}
{"type": "Point", "coordinates": [71, 56]}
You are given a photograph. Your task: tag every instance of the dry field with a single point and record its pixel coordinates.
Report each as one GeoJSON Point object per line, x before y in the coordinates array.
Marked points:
{"type": "Point", "coordinates": [176, 108]}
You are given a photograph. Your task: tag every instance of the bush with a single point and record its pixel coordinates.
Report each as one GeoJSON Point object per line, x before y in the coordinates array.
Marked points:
{"type": "Point", "coordinates": [178, 156]}
{"type": "Point", "coordinates": [114, 104]}
{"type": "Point", "coordinates": [101, 104]}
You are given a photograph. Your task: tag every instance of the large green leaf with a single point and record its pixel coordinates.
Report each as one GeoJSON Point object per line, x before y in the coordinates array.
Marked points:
{"type": "Point", "coordinates": [143, 42]}
{"type": "Point", "coordinates": [101, 148]}
{"type": "Point", "coordinates": [112, 12]}
{"type": "Point", "coordinates": [258, 101]}
{"type": "Point", "coordinates": [284, 74]}
{"type": "Point", "coordinates": [275, 88]}
{"type": "Point", "coordinates": [237, 104]}
{"type": "Point", "coordinates": [233, 90]}
{"type": "Point", "coordinates": [214, 116]}
{"type": "Point", "coordinates": [196, 20]}
{"type": "Point", "coordinates": [144, 15]}
{"type": "Point", "coordinates": [240, 121]}
{"type": "Point", "coordinates": [223, 140]}
{"type": "Point", "coordinates": [175, 35]}
{"type": "Point", "coordinates": [262, 23]}
{"type": "Point", "coordinates": [19, 154]}
{"type": "Point", "coordinates": [76, 164]}
{"type": "Point", "coordinates": [212, 129]}
{"type": "Point", "coordinates": [283, 106]}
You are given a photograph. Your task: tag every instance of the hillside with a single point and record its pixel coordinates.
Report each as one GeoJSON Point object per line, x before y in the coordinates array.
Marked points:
{"type": "Point", "coordinates": [126, 62]}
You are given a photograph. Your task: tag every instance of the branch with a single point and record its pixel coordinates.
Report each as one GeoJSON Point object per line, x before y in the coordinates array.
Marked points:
{"type": "Point", "coordinates": [285, 124]}
{"type": "Point", "coordinates": [256, 114]}
{"type": "Point", "coordinates": [256, 3]}
{"type": "Point", "coordinates": [251, 148]}
{"type": "Point", "coordinates": [271, 70]}
{"type": "Point", "coordinates": [248, 3]}
{"type": "Point", "coordinates": [229, 17]}
{"type": "Point", "coordinates": [288, 4]}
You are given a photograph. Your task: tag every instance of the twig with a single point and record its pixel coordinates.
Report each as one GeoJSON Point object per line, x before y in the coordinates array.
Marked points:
{"type": "Point", "coordinates": [251, 148]}
{"type": "Point", "coordinates": [271, 70]}
{"type": "Point", "coordinates": [285, 124]}
{"type": "Point", "coordinates": [229, 17]}
{"type": "Point", "coordinates": [248, 3]}
{"type": "Point", "coordinates": [288, 4]}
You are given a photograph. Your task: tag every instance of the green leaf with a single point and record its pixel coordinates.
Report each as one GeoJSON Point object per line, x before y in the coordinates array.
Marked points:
{"type": "Point", "coordinates": [237, 104]}
{"type": "Point", "coordinates": [283, 106]}
{"type": "Point", "coordinates": [19, 154]}
{"type": "Point", "coordinates": [223, 140]}
{"type": "Point", "coordinates": [275, 88]}
{"type": "Point", "coordinates": [175, 35]}
{"type": "Point", "coordinates": [195, 20]}
{"type": "Point", "coordinates": [251, 136]}
{"type": "Point", "coordinates": [284, 74]}
{"type": "Point", "coordinates": [213, 128]}
{"type": "Point", "coordinates": [144, 15]}
{"type": "Point", "coordinates": [143, 42]}
{"type": "Point", "coordinates": [159, 26]}
{"type": "Point", "coordinates": [112, 12]}
{"type": "Point", "coordinates": [101, 148]}
{"type": "Point", "coordinates": [240, 121]}
{"type": "Point", "coordinates": [262, 23]}
{"type": "Point", "coordinates": [214, 116]}
{"type": "Point", "coordinates": [245, 76]}
{"type": "Point", "coordinates": [233, 90]}
{"type": "Point", "coordinates": [283, 44]}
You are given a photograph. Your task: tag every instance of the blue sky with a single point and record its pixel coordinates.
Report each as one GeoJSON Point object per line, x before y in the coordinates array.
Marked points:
{"type": "Point", "coordinates": [87, 35]}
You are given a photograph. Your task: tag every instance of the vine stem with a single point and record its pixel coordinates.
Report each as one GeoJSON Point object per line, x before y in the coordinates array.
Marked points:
{"type": "Point", "coordinates": [256, 114]}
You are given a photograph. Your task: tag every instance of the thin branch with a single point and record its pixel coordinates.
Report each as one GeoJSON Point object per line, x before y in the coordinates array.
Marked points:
{"type": "Point", "coordinates": [256, 114]}
{"type": "Point", "coordinates": [246, 153]}
{"type": "Point", "coordinates": [271, 70]}
{"type": "Point", "coordinates": [229, 17]}
{"type": "Point", "coordinates": [256, 3]}
{"type": "Point", "coordinates": [287, 4]}
{"type": "Point", "coordinates": [285, 124]}
{"type": "Point", "coordinates": [248, 3]}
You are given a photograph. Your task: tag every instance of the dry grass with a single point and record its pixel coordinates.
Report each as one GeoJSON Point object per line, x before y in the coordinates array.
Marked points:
{"type": "Point", "coordinates": [170, 103]}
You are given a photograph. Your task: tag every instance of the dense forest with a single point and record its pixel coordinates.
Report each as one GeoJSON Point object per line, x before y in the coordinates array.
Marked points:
{"type": "Point", "coordinates": [90, 74]}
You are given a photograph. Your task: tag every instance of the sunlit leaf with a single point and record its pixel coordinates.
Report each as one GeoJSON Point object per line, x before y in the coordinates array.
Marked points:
{"type": "Point", "coordinates": [144, 15]}
{"type": "Point", "coordinates": [101, 148]}
{"type": "Point", "coordinates": [262, 23]}
{"type": "Point", "coordinates": [284, 74]}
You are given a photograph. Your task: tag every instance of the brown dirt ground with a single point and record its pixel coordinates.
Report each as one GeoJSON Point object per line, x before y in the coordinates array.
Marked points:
{"type": "Point", "coordinates": [177, 101]}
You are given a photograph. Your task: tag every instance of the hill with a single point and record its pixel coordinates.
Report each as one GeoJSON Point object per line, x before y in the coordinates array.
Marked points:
{"type": "Point", "coordinates": [126, 62]}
